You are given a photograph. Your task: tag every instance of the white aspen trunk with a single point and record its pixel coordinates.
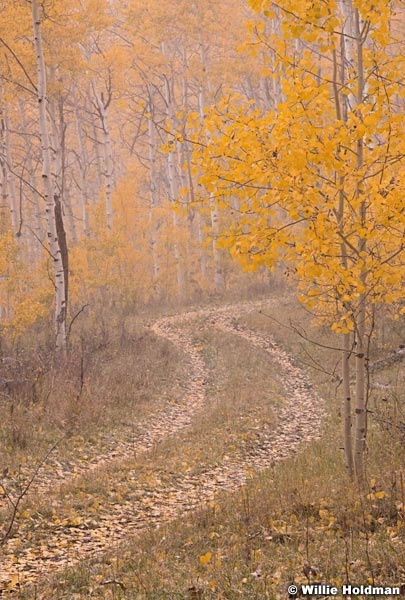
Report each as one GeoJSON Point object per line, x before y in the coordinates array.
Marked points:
{"type": "Point", "coordinates": [278, 95]}
{"type": "Point", "coordinates": [10, 183]}
{"type": "Point", "coordinates": [96, 146]}
{"type": "Point", "coordinates": [346, 354]}
{"type": "Point", "coordinates": [182, 175]}
{"type": "Point", "coordinates": [82, 162]}
{"type": "Point", "coordinates": [3, 176]}
{"type": "Point", "coordinates": [347, 406]}
{"type": "Point", "coordinates": [200, 231]}
{"type": "Point", "coordinates": [276, 90]}
{"type": "Point", "coordinates": [173, 191]}
{"type": "Point", "coordinates": [153, 203]}
{"type": "Point", "coordinates": [352, 58]}
{"type": "Point", "coordinates": [203, 258]}
{"type": "Point", "coordinates": [171, 170]}
{"type": "Point", "coordinates": [181, 276]}
{"type": "Point", "coordinates": [216, 256]}
{"type": "Point", "coordinates": [3, 192]}
{"type": "Point", "coordinates": [57, 140]}
{"type": "Point", "coordinates": [51, 209]}
{"type": "Point", "coordinates": [218, 275]}
{"type": "Point", "coordinates": [361, 409]}
{"type": "Point", "coordinates": [265, 90]}
{"type": "Point", "coordinates": [348, 50]}
{"type": "Point", "coordinates": [201, 238]}
{"type": "Point", "coordinates": [108, 161]}
{"type": "Point", "coordinates": [8, 190]}
{"type": "Point", "coordinates": [343, 105]}
{"type": "Point", "coordinates": [361, 366]}
{"type": "Point", "coordinates": [194, 218]}
{"type": "Point", "coordinates": [361, 353]}
{"type": "Point", "coordinates": [153, 246]}
{"type": "Point", "coordinates": [183, 180]}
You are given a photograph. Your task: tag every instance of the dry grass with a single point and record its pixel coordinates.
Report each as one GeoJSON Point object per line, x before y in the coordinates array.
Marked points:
{"type": "Point", "coordinates": [249, 543]}
{"type": "Point", "coordinates": [105, 386]}
{"type": "Point", "coordinates": [252, 543]}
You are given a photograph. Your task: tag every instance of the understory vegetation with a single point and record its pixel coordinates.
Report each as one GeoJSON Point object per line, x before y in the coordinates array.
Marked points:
{"type": "Point", "coordinates": [299, 520]}
{"type": "Point", "coordinates": [202, 318]}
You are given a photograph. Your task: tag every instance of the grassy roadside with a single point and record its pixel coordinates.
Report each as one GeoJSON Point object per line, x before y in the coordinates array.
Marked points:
{"type": "Point", "coordinates": [129, 377]}
{"type": "Point", "coordinates": [252, 543]}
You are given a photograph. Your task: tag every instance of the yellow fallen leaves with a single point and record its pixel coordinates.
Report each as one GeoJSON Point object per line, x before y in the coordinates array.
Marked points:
{"type": "Point", "coordinates": [205, 558]}
{"type": "Point", "coordinates": [376, 495]}
{"type": "Point", "coordinates": [14, 581]}
{"type": "Point", "coordinates": [212, 559]}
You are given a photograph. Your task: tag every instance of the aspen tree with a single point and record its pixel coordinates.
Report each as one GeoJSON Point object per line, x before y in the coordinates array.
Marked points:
{"type": "Point", "coordinates": [82, 164]}
{"type": "Point", "coordinates": [54, 221]}
{"type": "Point", "coordinates": [214, 216]}
{"type": "Point", "coordinates": [353, 60]}
{"type": "Point", "coordinates": [153, 198]}
{"type": "Point", "coordinates": [173, 179]}
{"type": "Point", "coordinates": [318, 179]}
{"type": "Point", "coordinates": [7, 166]}
{"type": "Point", "coordinates": [102, 103]}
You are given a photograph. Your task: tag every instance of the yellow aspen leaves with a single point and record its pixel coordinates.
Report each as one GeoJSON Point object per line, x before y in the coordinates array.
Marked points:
{"type": "Point", "coordinates": [205, 558]}
{"type": "Point", "coordinates": [317, 181]}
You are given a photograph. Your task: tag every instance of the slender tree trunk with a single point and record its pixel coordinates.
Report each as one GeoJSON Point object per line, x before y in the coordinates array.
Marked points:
{"type": "Point", "coordinates": [82, 162]}
{"type": "Point", "coordinates": [153, 202]}
{"type": "Point", "coordinates": [173, 190]}
{"type": "Point", "coordinates": [57, 139]}
{"type": "Point", "coordinates": [5, 221]}
{"type": "Point", "coordinates": [341, 114]}
{"type": "Point", "coordinates": [361, 353]}
{"type": "Point", "coordinates": [347, 405]}
{"type": "Point", "coordinates": [352, 61]}
{"type": "Point", "coordinates": [52, 209]}
{"type": "Point", "coordinates": [201, 237]}
{"type": "Point", "coordinates": [217, 262]}
{"type": "Point", "coordinates": [102, 107]}
{"type": "Point", "coordinates": [12, 193]}
{"type": "Point", "coordinates": [96, 146]}
{"type": "Point", "coordinates": [360, 425]}
{"type": "Point", "coordinates": [8, 185]}
{"type": "Point", "coordinates": [203, 258]}
{"type": "Point", "coordinates": [171, 170]}
{"type": "Point", "coordinates": [218, 274]}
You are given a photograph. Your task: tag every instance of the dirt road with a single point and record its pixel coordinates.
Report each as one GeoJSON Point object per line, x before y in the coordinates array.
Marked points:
{"type": "Point", "coordinates": [43, 546]}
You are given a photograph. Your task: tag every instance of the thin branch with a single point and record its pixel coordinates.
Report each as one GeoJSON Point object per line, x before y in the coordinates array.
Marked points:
{"type": "Point", "coordinates": [74, 319]}
{"type": "Point", "coordinates": [307, 22]}
{"type": "Point", "coordinates": [296, 330]}
{"type": "Point", "coordinates": [40, 241]}
{"type": "Point", "coordinates": [15, 503]}
{"type": "Point", "coordinates": [19, 62]}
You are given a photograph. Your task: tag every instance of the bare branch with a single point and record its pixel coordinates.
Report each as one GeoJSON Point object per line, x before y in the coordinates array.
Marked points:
{"type": "Point", "coordinates": [15, 503]}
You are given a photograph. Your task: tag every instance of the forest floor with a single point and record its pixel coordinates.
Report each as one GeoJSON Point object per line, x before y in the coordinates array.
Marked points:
{"type": "Point", "coordinates": [141, 511]}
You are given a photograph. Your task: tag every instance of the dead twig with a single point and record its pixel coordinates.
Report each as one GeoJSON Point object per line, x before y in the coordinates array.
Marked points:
{"type": "Point", "coordinates": [113, 582]}
{"type": "Point", "coordinates": [15, 502]}
{"type": "Point", "coordinates": [74, 319]}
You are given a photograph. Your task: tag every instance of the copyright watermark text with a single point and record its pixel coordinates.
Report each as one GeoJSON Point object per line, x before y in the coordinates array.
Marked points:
{"type": "Point", "coordinates": [344, 590]}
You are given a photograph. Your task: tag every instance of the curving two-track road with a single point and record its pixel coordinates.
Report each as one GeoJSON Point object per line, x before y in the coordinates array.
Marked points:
{"type": "Point", "coordinates": [298, 421]}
